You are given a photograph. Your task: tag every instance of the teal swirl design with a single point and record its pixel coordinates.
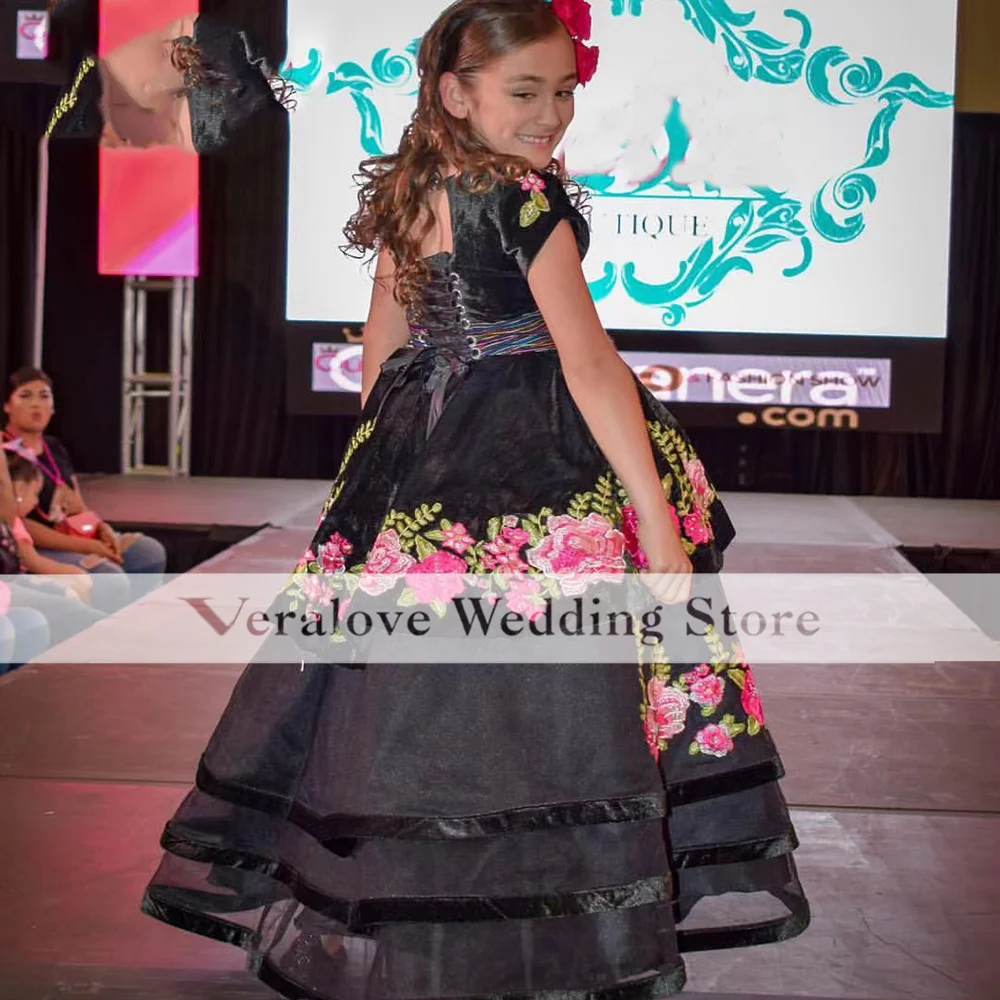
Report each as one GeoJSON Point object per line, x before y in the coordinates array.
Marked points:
{"type": "Point", "coordinates": [752, 54]}
{"type": "Point", "coordinates": [863, 81]}
{"type": "Point", "coordinates": [837, 210]}
{"type": "Point", "coordinates": [754, 226]}
{"type": "Point", "coordinates": [303, 77]}
{"type": "Point", "coordinates": [634, 7]}
{"type": "Point", "coordinates": [602, 287]}
{"type": "Point", "coordinates": [391, 70]}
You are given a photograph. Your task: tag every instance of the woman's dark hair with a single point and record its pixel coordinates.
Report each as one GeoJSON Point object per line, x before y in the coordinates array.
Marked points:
{"type": "Point", "coordinates": [467, 36]}
{"type": "Point", "coordinates": [22, 470]}
{"type": "Point", "coordinates": [24, 376]}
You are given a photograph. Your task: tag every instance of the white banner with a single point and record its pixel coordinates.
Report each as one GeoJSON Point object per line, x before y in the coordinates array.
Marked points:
{"type": "Point", "coordinates": [530, 618]}
{"type": "Point", "coordinates": [754, 166]}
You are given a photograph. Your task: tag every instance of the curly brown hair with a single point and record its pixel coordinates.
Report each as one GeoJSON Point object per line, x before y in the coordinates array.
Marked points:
{"type": "Point", "coordinates": [392, 212]}
{"type": "Point", "coordinates": [187, 60]}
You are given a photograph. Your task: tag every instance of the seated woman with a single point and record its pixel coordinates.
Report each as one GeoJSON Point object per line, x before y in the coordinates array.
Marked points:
{"type": "Point", "coordinates": [129, 565]}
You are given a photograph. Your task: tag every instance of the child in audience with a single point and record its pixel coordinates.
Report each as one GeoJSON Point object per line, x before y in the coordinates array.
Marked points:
{"type": "Point", "coordinates": [26, 479]}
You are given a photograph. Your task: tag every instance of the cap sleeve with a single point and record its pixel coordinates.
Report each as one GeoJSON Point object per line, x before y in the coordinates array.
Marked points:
{"type": "Point", "coordinates": [530, 211]}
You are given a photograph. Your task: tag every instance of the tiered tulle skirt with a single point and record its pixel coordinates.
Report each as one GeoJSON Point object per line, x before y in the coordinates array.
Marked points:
{"type": "Point", "coordinates": [429, 831]}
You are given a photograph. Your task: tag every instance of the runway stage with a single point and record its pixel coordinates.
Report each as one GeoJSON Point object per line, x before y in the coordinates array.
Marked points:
{"type": "Point", "coordinates": [893, 775]}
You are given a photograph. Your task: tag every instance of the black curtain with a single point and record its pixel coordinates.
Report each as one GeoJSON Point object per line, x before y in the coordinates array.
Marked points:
{"type": "Point", "coordinates": [23, 110]}
{"type": "Point", "coordinates": [240, 427]}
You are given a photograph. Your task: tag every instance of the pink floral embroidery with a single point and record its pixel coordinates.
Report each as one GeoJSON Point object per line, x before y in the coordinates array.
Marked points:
{"type": "Point", "coordinates": [750, 699]}
{"type": "Point", "coordinates": [524, 597]}
{"type": "Point", "coordinates": [707, 691]}
{"type": "Point", "coordinates": [514, 535]}
{"type": "Point", "coordinates": [574, 547]}
{"type": "Point", "coordinates": [437, 578]}
{"type": "Point", "coordinates": [385, 559]}
{"type": "Point", "coordinates": [699, 481]}
{"type": "Point", "coordinates": [307, 557]}
{"type": "Point", "coordinates": [652, 731]}
{"type": "Point", "coordinates": [674, 519]}
{"type": "Point", "coordinates": [332, 554]}
{"type": "Point", "coordinates": [456, 538]}
{"type": "Point", "coordinates": [696, 527]}
{"type": "Point", "coordinates": [532, 182]}
{"type": "Point", "coordinates": [316, 591]}
{"type": "Point", "coordinates": [702, 670]}
{"type": "Point", "coordinates": [504, 554]}
{"type": "Point", "coordinates": [630, 530]}
{"type": "Point", "coordinates": [714, 740]}
{"type": "Point", "coordinates": [671, 707]}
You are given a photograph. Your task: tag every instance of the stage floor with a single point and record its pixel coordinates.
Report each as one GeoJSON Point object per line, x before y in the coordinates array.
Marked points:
{"type": "Point", "coordinates": [893, 776]}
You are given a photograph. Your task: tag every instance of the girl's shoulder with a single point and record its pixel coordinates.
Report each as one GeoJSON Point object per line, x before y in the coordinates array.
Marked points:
{"type": "Point", "coordinates": [524, 213]}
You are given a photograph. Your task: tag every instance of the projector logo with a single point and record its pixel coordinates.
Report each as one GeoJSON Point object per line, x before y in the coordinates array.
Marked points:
{"type": "Point", "coordinates": [802, 417]}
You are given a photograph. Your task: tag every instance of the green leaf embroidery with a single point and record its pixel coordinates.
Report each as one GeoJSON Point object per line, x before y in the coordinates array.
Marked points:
{"type": "Point", "coordinates": [423, 547]}
{"type": "Point", "coordinates": [753, 727]}
{"type": "Point", "coordinates": [530, 214]}
{"type": "Point", "coordinates": [407, 598]}
{"type": "Point", "coordinates": [534, 532]}
{"type": "Point", "coordinates": [439, 608]}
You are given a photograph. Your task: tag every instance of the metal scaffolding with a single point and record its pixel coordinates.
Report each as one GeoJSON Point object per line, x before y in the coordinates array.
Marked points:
{"type": "Point", "coordinates": [140, 385]}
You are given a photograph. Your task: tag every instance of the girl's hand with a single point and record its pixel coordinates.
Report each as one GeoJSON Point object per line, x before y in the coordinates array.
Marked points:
{"type": "Point", "coordinates": [670, 570]}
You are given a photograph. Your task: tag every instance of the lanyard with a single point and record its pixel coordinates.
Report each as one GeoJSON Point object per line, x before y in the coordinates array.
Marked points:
{"type": "Point", "coordinates": [48, 466]}
{"type": "Point", "coordinates": [52, 471]}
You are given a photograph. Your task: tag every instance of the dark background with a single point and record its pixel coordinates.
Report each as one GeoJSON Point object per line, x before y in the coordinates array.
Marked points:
{"type": "Point", "coordinates": [240, 426]}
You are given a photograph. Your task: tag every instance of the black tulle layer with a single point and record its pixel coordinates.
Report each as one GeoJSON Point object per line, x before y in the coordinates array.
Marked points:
{"type": "Point", "coordinates": [303, 828]}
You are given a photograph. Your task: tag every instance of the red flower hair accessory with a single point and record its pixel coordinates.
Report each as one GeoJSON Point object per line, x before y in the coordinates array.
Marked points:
{"type": "Point", "coordinates": [575, 16]}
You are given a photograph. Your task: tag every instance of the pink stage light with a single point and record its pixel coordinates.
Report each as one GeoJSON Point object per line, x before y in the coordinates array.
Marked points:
{"type": "Point", "coordinates": [148, 206]}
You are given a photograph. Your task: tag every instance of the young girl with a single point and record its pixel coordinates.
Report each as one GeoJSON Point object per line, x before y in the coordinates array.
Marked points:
{"type": "Point", "coordinates": [510, 829]}
{"type": "Point", "coordinates": [42, 609]}
{"type": "Point", "coordinates": [24, 632]}
{"type": "Point", "coordinates": [27, 480]}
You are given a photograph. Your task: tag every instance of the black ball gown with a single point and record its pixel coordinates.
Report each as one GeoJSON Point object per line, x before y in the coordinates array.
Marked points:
{"type": "Point", "coordinates": [487, 830]}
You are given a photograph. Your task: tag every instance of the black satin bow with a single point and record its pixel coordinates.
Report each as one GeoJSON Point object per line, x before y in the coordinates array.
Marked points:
{"type": "Point", "coordinates": [438, 364]}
